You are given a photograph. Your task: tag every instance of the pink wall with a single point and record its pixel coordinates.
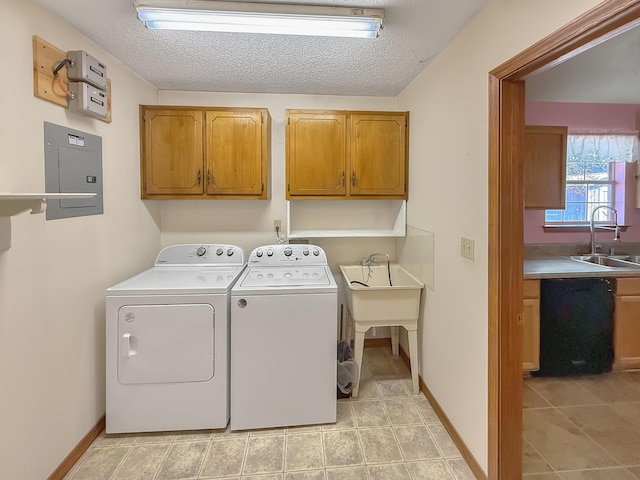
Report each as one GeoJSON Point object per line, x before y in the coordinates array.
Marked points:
{"type": "Point", "coordinates": [585, 116]}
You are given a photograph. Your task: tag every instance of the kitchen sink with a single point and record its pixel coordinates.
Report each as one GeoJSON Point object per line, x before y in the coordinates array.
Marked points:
{"type": "Point", "coordinates": [629, 261]}
{"type": "Point", "coordinates": [629, 258]}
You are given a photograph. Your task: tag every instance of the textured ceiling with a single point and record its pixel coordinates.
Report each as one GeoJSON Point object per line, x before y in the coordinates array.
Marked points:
{"type": "Point", "coordinates": [415, 31]}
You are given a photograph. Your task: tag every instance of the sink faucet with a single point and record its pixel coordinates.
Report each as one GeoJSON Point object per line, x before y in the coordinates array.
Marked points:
{"type": "Point", "coordinates": [593, 227]}
{"type": "Point", "coordinates": [370, 261]}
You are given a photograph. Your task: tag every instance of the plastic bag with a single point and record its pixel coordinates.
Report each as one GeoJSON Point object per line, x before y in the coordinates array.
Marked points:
{"type": "Point", "coordinates": [347, 370]}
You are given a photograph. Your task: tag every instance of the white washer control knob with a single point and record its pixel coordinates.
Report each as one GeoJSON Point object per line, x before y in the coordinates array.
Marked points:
{"type": "Point", "coordinates": [270, 253]}
{"type": "Point", "coordinates": [201, 251]}
{"type": "Point", "coordinates": [219, 251]}
{"type": "Point", "coordinates": [288, 252]}
{"type": "Point", "coordinates": [305, 252]}
{"type": "Point", "coordinates": [229, 252]}
{"type": "Point", "coordinates": [258, 253]}
{"type": "Point", "coordinates": [288, 275]}
{"type": "Point", "coordinates": [316, 252]}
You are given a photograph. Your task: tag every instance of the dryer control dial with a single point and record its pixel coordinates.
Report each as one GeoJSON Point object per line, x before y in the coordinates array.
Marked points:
{"type": "Point", "coordinates": [201, 251]}
{"type": "Point", "coordinates": [288, 252]}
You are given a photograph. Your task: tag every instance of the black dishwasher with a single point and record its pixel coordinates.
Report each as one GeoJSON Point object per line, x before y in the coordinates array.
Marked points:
{"type": "Point", "coordinates": [576, 326]}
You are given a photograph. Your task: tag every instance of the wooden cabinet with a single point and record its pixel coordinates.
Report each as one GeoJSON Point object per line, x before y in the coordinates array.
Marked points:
{"type": "Point", "coordinates": [316, 154]}
{"type": "Point", "coordinates": [172, 152]}
{"type": "Point", "coordinates": [346, 154]}
{"type": "Point", "coordinates": [204, 152]}
{"type": "Point", "coordinates": [626, 325]}
{"type": "Point", "coordinates": [545, 167]}
{"type": "Point", "coordinates": [531, 326]}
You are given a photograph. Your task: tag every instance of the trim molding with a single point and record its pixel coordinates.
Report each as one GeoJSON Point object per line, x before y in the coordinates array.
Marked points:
{"type": "Point", "coordinates": [377, 342]}
{"type": "Point", "coordinates": [455, 436]}
{"type": "Point", "coordinates": [475, 467]}
{"type": "Point", "coordinates": [505, 207]}
{"type": "Point", "coordinates": [77, 452]}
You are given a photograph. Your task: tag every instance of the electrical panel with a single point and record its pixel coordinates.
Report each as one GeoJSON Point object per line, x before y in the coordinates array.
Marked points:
{"type": "Point", "coordinates": [73, 164]}
{"type": "Point", "coordinates": [85, 68]}
{"type": "Point", "coordinates": [87, 99]}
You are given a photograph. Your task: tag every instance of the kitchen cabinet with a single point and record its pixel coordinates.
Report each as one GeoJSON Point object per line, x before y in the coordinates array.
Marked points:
{"type": "Point", "coordinates": [333, 154]}
{"type": "Point", "coordinates": [204, 152]}
{"type": "Point", "coordinates": [545, 164]}
{"type": "Point", "coordinates": [531, 326]}
{"type": "Point", "coordinates": [626, 326]}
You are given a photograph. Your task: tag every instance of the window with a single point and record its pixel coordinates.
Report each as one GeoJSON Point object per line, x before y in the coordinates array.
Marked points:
{"type": "Point", "coordinates": [591, 178]}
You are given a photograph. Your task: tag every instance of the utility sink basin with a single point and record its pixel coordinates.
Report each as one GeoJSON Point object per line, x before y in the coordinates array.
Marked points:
{"type": "Point", "coordinates": [383, 296]}
{"type": "Point", "coordinates": [371, 299]}
{"type": "Point", "coordinates": [628, 261]}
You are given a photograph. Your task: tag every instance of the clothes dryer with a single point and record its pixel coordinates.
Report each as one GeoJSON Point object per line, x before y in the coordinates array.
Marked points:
{"type": "Point", "coordinates": [167, 341]}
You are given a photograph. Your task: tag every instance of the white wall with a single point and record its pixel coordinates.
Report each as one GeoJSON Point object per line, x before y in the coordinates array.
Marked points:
{"type": "Point", "coordinates": [249, 223]}
{"type": "Point", "coordinates": [52, 279]}
{"type": "Point", "coordinates": [448, 185]}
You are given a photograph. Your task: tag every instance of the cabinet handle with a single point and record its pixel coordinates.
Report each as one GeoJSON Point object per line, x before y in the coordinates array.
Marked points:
{"type": "Point", "coordinates": [199, 177]}
{"type": "Point", "coordinates": [208, 177]}
{"type": "Point", "coordinates": [353, 179]}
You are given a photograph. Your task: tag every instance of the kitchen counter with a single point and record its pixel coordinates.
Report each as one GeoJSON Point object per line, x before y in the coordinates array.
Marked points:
{"type": "Point", "coordinates": [565, 267]}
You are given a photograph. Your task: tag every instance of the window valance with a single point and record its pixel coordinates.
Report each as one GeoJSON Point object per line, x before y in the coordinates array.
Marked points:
{"type": "Point", "coordinates": [604, 146]}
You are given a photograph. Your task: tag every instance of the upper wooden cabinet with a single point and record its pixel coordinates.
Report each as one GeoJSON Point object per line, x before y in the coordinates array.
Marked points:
{"type": "Point", "coordinates": [545, 167]}
{"type": "Point", "coordinates": [346, 154]}
{"type": "Point", "coordinates": [204, 152]}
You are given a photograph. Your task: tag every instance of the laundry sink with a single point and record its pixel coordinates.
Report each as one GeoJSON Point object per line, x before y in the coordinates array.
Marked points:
{"type": "Point", "coordinates": [370, 297]}
{"type": "Point", "coordinates": [383, 296]}
{"type": "Point", "coordinates": [629, 261]}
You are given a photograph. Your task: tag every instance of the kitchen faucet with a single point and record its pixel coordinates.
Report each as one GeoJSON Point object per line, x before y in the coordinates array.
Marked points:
{"type": "Point", "coordinates": [593, 227]}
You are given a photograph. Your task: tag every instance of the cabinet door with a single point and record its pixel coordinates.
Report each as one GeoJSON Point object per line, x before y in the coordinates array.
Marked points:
{"type": "Point", "coordinates": [378, 155]}
{"type": "Point", "coordinates": [626, 332]}
{"type": "Point", "coordinates": [545, 165]}
{"type": "Point", "coordinates": [316, 154]}
{"type": "Point", "coordinates": [531, 335]}
{"type": "Point", "coordinates": [233, 153]}
{"type": "Point", "coordinates": [172, 156]}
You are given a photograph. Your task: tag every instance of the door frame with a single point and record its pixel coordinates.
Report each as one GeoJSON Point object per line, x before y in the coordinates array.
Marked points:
{"type": "Point", "coordinates": [506, 207]}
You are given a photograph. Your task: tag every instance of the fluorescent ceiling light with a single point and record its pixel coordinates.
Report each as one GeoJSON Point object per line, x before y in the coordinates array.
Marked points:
{"type": "Point", "coordinates": [204, 15]}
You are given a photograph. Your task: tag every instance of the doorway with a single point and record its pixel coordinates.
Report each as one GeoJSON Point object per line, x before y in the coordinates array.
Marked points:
{"type": "Point", "coordinates": [506, 133]}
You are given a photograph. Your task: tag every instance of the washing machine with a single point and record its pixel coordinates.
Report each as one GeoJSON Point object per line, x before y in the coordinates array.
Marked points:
{"type": "Point", "coordinates": [284, 339]}
{"type": "Point", "coordinates": [167, 341]}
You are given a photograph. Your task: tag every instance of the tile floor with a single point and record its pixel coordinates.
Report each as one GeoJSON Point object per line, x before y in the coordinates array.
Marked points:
{"type": "Point", "coordinates": [386, 434]}
{"type": "Point", "coordinates": [585, 427]}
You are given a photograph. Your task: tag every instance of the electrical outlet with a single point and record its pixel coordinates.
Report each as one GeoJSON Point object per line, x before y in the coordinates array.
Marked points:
{"type": "Point", "coordinates": [277, 226]}
{"type": "Point", "coordinates": [467, 247]}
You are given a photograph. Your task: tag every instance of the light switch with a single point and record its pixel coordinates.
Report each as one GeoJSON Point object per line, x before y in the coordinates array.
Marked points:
{"type": "Point", "coordinates": [467, 247]}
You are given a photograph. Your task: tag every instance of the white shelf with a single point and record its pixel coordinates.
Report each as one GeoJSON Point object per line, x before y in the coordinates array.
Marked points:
{"type": "Point", "coordinates": [346, 218]}
{"type": "Point", "coordinates": [344, 233]}
{"type": "Point", "coordinates": [16, 203]}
